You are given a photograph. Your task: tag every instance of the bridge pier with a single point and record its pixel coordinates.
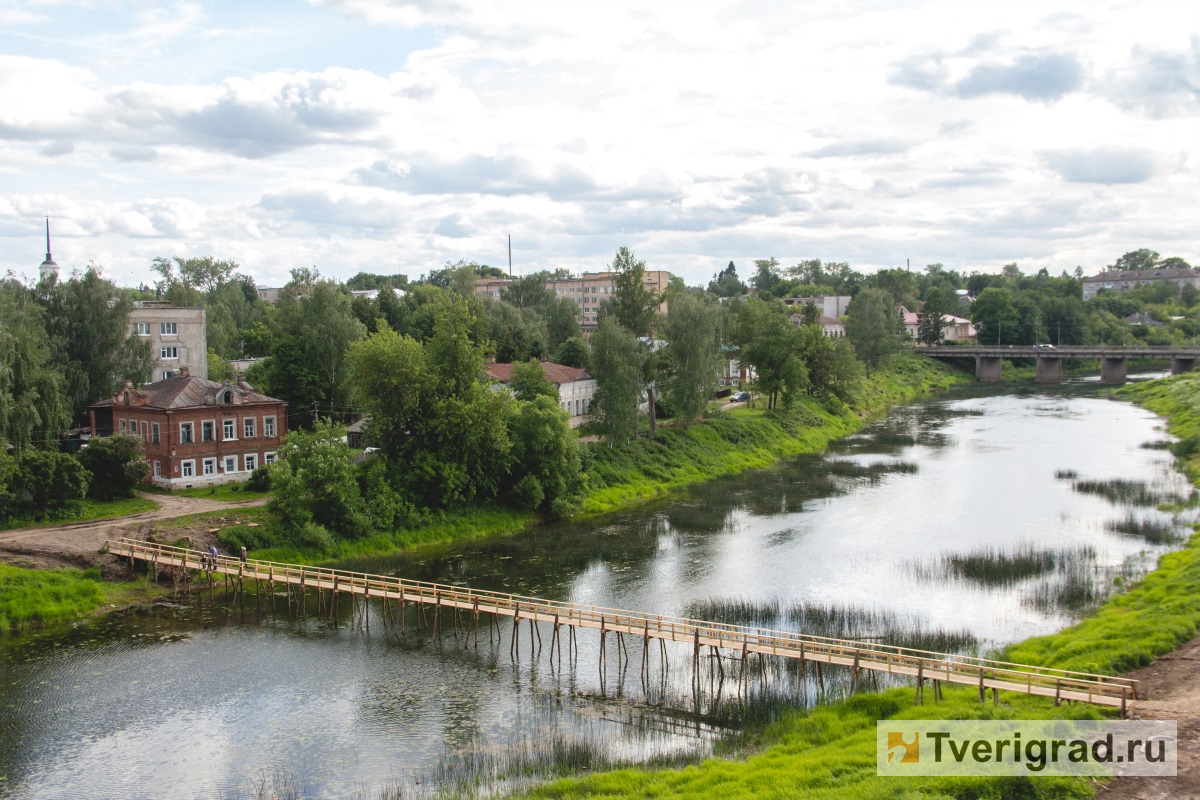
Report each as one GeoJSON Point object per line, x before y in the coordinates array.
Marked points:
{"type": "Point", "coordinates": [1049, 370]}
{"type": "Point", "coordinates": [987, 368]}
{"type": "Point", "coordinates": [1112, 370]}
{"type": "Point", "coordinates": [1180, 365]}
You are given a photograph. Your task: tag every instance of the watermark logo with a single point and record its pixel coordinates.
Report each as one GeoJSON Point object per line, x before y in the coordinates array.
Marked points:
{"type": "Point", "coordinates": [1026, 747]}
{"type": "Point", "coordinates": [904, 748]}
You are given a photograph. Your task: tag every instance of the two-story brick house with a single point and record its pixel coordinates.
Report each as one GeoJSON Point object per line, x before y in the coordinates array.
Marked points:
{"type": "Point", "coordinates": [195, 432]}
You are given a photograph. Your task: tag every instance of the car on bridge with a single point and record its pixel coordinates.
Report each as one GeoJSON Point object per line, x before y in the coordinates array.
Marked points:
{"type": "Point", "coordinates": [1042, 347]}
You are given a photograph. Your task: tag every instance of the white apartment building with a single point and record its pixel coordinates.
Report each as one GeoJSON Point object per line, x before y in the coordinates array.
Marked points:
{"type": "Point", "coordinates": [178, 337]}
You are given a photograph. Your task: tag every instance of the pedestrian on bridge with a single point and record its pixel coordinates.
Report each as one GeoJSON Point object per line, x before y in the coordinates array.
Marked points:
{"type": "Point", "coordinates": [243, 554]}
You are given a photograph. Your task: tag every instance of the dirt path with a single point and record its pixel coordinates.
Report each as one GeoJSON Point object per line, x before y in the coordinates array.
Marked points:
{"type": "Point", "coordinates": [78, 543]}
{"type": "Point", "coordinates": [1172, 688]}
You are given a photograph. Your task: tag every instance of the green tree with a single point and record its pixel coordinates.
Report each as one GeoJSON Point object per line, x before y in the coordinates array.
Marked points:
{"type": "Point", "coordinates": [726, 283]}
{"type": "Point", "coordinates": [47, 482]}
{"type": "Point", "coordinates": [767, 281]}
{"type": "Point", "coordinates": [116, 464]}
{"type": "Point", "coordinates": [33, 408]}
{"type": "Point", "coordinates": [574, 352]}
{"type": "Point", "coordinates": [930, 328]}
{"type": "Point", "coordinates": [1144, 258]}
{"type": "Point", "coordinates": [694, 336]}
{"type": "Point", "coordinates": [219, 369]}
{"type": "Point", "coordinates": [617, 366]}
{"type": "Point", "coordinates": [634, 304]}
{"type": "Point", "coordinates": [87, 322]}
{"type": "Point", "coordinates": [314, 483]}
{"type": "Point", "coordinates": [307, 365]}
{"type": "Point", "coordinates": [529, 381]}
{"type": "Point", "coordinates": [874, 327]}
{"type": "Point", "coordinates": [996, 317]}
{"type": "Point", "coordinates": [771, 346]}
{"type": "Point", "coordinates": [546, 468]}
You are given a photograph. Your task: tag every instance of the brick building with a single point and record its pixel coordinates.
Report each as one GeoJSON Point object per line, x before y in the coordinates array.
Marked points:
{"type": "Point", "coordinates": [195, 432]}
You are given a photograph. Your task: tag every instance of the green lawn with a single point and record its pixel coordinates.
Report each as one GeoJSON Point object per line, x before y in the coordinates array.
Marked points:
{"type": "Point", "coordinates": [229, 492]}
{"type": "Point", "coordinates": [90, 510]}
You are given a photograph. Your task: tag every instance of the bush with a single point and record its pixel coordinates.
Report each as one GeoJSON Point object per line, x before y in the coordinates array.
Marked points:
{"type": "Point", "coordinates": [260, 480]}
{"type": "Point", "coordinates": [46, 482]}
{"type": "Point", "coordinates": [234, 537]}
{"type": "Point", "coordinates": [116, 464]}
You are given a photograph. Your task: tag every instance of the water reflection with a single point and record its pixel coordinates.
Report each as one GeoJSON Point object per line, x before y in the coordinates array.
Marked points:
{"type": "Point", "coordinates": [957, 524]}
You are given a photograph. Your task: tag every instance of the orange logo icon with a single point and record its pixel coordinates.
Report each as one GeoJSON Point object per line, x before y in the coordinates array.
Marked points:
{"type": "Point", "coordinates": [903, 748]}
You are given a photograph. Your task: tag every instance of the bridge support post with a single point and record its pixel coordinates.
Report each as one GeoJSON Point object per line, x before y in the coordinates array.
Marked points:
{"type": "Point", "coordinates": [1181, 365]}
{"type": "Point", "coordinates": [1049, 370]}
{"type": "Point", "coordinates": [1112, 370]}
{"type": "Point", "coordinates": [987, 368]}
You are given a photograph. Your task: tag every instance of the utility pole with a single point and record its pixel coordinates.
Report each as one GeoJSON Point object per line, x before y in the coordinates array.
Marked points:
{"type": "Point", "coordinates": [510, 255]}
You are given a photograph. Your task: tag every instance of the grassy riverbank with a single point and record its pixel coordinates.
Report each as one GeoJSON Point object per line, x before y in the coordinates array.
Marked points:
{"type": "Point", "coordinates": [829, 752]}
{"type": "Point", "coordinates": [33, 597]}
{"type": "Point", "coordinates": [88, 511]}
{"type": "Point", "coordinates": [746, 438]}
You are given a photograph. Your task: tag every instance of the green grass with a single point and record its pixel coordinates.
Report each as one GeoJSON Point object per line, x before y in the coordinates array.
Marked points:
{"type": "Point", "coordinates": [227, 492]}
{"type": "Point", "coordinates": [475, 523]}
{"type": "Point", "coordinates": [89, 510]}
{"type": "Point", "coordinates": [33, 597]}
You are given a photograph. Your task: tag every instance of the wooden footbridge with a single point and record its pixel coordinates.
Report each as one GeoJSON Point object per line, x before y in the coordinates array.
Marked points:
{"type": "Point", "coordinates": [396, 593]}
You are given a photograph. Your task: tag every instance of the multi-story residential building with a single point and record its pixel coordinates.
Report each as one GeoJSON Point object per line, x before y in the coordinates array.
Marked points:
{"type": "Point", "coordinates": [195, 432]}
{"type": "Point", "coordinates": [178, 337]}
{"type": "Point", "coordinates": [576, 387]}
{"type": "Point", "coordinates": [831, 305]}
{"type": "Point", "coordinates": [1124, 280]}
{"type": "Point", "coordinates": [587, 291]}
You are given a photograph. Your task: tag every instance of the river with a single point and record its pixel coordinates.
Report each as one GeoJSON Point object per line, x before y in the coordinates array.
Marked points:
{"type": "Point", "coordinates": [960, 523]}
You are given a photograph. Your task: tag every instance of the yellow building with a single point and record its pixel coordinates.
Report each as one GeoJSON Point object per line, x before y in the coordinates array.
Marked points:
{"type": "Point", "coordinates": [587, 291]}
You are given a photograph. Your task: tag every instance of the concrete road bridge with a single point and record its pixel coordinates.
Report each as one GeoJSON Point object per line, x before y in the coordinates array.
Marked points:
{"type": "Point", "coordinates": [1113, 359]}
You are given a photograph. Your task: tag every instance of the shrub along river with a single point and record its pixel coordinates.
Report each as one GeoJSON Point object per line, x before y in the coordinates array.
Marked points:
{"type": "Point", "coordinates": [957, 524]}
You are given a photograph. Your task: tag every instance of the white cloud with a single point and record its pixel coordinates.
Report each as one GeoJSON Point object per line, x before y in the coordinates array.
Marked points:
{"type": "Point", "coordinates": [411, 133]}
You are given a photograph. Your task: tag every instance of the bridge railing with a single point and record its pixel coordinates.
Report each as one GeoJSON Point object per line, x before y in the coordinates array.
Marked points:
{"type": "Point", "coordinates": [871, 655]}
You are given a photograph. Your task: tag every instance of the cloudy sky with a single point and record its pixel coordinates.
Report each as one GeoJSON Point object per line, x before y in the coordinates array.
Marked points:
{"type": "Point", "coordinates": [394, 136]}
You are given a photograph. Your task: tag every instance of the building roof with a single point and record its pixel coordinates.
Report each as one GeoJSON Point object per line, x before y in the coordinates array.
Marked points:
{"type": "Point", "coordinates": [555, 373]}
{"type": "Point", "coordinates": [185, 391]}
{"type": "Point", "coordinates": [1143, 319]}
{"type": "Point", "coordinates": [1141, 275]}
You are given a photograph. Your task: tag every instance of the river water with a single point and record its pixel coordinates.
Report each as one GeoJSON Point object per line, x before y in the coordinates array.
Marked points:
{"type": "Point", "coordinates": [956, 524]}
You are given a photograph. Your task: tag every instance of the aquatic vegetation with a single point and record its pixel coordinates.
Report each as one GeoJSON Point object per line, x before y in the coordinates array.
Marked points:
{"type": "Point", "coordinates": [990, 566]}
{"type": "Point", "coordinates": [1152, 530]}
{"type": "Point", "coordinates": [1124, 492]}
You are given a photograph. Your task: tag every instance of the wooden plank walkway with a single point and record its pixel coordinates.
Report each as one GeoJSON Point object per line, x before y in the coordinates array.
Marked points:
{"type": "Point", "coordinates": [921, 665]}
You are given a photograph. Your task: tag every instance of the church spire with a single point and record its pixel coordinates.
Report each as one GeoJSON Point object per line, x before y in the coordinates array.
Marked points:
{"type": "Point", "coordinates": [48, 266]}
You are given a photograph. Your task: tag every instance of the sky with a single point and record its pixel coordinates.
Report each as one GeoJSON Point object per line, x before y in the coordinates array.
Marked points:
{"type": "Point", "coordinates": [395, 136]}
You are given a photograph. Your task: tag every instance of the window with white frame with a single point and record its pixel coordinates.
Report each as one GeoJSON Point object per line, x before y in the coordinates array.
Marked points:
{"type": "Point", "coordinates": [168, 352]}
{"type": "Point", "coordinates": [268, 426]}
{"type": "Point", "coordinates": [186, 433]}
{"type": "Point", "coordinates": [168, 328]}
{"type": "Point", "coordinates": [142, 328]}
{"type": "Point", "coordinates": [208, 430]}
{"type": "Point", "coordinates": [251, 461]}
{"type": "Point", "coordinates": [189, 469]}
{"type": "Point", "coordinates": [158, 469]}
{"type": "Point", "coordinates": [268, 458]}
{"type": "Point", "coordinates": [167, 374]}
{"type": "Point", "coordinates": [154, 432]}
{"type": "Point", "coordinates": [231, 463]}
{"type": "Point", "coordinates": [210, 466]}
{"type": "Point", "coordinates": [122, 422]}
{"type": "Point", "coordinates": [229, 431]}
{"type": "Point", "coordinates": [248, 428]}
